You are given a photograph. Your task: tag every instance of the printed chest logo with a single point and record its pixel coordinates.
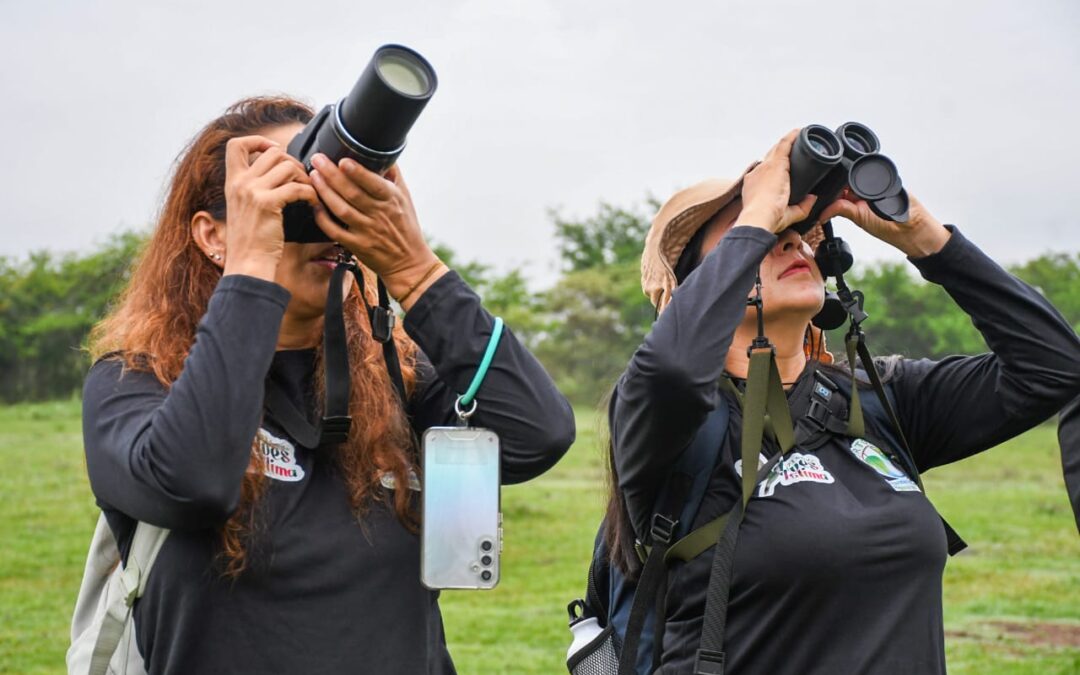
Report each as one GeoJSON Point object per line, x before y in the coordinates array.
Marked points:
{"type": "Point", "coordinates": [795, 468]}
{"type": "Point", "coordinates": [873, 457]}
{"type": "Point", "coordinates": [279, 458]}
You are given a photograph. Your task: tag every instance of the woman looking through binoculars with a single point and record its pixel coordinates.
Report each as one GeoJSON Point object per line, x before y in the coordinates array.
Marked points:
{"type": "Point", "coordinates": [839, 557]}
{"type": "Point", "coordinates": [284, 557]}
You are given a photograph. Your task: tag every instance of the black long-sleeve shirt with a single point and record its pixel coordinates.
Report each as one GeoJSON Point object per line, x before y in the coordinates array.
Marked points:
{"type": "Point", "coordinates": [325, 591]}
{"type": "Point", "coordinates": [1069, 439]}
{"type": "Point", "coordinates": [839, 560]}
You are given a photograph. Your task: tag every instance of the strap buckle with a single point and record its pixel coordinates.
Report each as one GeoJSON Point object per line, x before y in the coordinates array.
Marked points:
{"type": "Point", "coordinates": [382, 323]}
{"type": "Point", "coordinates": [130, 580]}
{"type": "Point", "coordinates": [663, 529]}
{"type": "Point", "coordinates": [818, 413]}
{"type": "Point", "coordinates": [335, 429]}
{"type": "Point", "coordinates": [708, 662]}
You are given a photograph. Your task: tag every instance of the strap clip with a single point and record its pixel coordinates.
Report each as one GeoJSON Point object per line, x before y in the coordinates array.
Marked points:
{"type": "Point", "coordinates": [663, 529]}
{"type": "Point", "coordinates": [130, 580]}
{"type": "Point", "coordinates": [818, 413]}
{"type": "Point", "coordinates": [335, 429]}
{"type": "Point", "coordinates": [709, 662]}
{"type": "Point", "coordinates": [382, 323]}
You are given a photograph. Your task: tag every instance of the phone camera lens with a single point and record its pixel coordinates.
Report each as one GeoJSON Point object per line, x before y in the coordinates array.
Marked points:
{"type": "Point", "coordinates": [486, 575]}
{"type": "Point", "coordinates": [485, 560]}
{"type": "Point", "coordinates": [485, 545]}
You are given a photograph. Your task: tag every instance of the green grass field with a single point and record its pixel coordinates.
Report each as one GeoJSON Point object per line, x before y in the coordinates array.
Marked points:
{"type": "Point", "coordinates": [1012, 601]}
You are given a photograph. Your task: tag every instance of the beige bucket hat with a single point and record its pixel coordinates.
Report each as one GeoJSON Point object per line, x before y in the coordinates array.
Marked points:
{"type": "Point", "coordinates": [677, 221]}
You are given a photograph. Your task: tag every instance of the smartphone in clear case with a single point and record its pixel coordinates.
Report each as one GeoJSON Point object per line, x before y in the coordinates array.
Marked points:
{"type": "Point", "coordinates": [461, 534]}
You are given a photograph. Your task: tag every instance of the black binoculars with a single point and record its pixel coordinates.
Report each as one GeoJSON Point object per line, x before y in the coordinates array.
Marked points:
{"type": "Point", "coordinates": [824, 163]}
{"type": "Point", "coordinates": [369, 125]}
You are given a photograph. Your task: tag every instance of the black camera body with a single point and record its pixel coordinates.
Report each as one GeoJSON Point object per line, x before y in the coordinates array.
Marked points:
{"type": "Point", "coordinates": [369, 125]}
{"type": "Point", "coordinates": [824, 163]}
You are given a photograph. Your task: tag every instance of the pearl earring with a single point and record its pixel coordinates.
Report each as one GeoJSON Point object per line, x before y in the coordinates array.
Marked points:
{"type": "Point", "coordinates": [216, 256]}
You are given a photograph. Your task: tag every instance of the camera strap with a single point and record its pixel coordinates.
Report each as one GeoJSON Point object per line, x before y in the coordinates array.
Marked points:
{"type": "Point", "coordinates": [336, 375]}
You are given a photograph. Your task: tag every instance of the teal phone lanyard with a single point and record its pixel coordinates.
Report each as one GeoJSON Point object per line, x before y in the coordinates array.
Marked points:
{"type": "Point", "coordinates": [468, 399]}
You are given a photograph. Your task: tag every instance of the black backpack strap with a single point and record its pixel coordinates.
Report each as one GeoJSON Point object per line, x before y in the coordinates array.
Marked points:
{"type": "Point", "coordinates": [856, 344]}
{"type": "Point", "coordinates": [654, 572]}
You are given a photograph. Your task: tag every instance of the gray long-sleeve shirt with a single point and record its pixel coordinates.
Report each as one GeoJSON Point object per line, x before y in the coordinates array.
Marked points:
{"type": "Point", "coordinates": [839, 559]}
{"type": "Point", "coordinates": [325, 591]}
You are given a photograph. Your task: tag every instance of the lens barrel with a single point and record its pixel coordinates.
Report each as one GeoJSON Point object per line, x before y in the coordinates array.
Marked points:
{"type": "Point", "coordinates": [815, 152]}
{"type": "Point", "coordinates": [386, 100]}
{"type": "Point", "coordinates": [369, 125]}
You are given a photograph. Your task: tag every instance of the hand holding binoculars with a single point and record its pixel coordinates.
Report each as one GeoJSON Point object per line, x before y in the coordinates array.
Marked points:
{"type": "Point", "coordinates": [369, 125]}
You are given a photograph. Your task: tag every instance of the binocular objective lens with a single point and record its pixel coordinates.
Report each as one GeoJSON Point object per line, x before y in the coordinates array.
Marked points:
{"type": "Point", "coordinates": [856, 143]}
{"type": "Point", "coordinates": [819, 146]}
{"type": "Point", "coordinates": [404, 74]}
{"type": "Point", "coordinates": [485, 560]}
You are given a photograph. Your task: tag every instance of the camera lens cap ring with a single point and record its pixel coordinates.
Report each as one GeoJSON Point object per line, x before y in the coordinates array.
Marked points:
{"type": "Point", "coordinates": [892, 208]}
{"type": "Point", "coordinates": [874, 177]}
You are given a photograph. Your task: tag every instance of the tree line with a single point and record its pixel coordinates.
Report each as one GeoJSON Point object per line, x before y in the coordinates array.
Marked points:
{"type": "Point", "coordinates": [583, 328]}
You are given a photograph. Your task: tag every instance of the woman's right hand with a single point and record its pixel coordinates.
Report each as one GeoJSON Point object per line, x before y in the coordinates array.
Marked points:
{"type": "Point", "coordinates": [256, 192]}
{"type": "Point", "coordinates": [766, 190]}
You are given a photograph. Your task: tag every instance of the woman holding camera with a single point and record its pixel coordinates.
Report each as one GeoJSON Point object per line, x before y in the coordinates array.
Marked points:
{"type": "Point", "coordinates": [284, 558]}
{"type": "Point", "coordinates": [839, 560]}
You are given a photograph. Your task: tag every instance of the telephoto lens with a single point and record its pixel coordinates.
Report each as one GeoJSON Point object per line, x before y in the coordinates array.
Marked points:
{"type": "Point", "coordinates": [369, 125]}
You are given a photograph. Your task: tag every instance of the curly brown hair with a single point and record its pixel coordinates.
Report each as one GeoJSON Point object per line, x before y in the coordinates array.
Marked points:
{"type": "Point", "coordinates": [152, 327]}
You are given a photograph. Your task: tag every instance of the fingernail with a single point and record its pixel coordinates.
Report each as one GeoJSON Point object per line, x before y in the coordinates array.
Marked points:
{"type": "Point", "coordinates": [319, 160]}
{"type": "Point", "coordinates": [348, 165]}
{"type": "Point", "coordinates": [315, 174]}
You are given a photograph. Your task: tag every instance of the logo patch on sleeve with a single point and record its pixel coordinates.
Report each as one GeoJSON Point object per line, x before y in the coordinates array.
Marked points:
{"type": "Point", "coordinates": [795, 468]}
{"type": "Point", "coordinates": [279, 458]}
{"type": "Point", "coordinates": [873, 457]}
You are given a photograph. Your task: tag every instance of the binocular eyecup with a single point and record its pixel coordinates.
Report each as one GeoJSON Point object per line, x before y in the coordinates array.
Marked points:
{"type": "Point", "coordinates": [369, 125]}
{"type": "Point", "coordinates": [825, 162]}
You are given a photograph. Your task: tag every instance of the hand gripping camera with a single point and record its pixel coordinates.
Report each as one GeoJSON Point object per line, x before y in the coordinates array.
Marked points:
{"type": "Point", "coordinates": [369, 125]}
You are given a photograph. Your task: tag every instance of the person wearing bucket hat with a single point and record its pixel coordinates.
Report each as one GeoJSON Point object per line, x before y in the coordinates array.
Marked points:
{"type": "Point", "coordinates": [839, 558]}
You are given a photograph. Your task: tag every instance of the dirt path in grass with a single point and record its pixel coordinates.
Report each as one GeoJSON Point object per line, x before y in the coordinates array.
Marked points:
{"type": "Point", "coordinates": [1036, 633]}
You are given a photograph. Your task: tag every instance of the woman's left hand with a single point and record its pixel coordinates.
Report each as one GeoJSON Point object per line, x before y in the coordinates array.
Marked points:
{"type": "Point", "coordinates": [920, 236]}
{"type": "Point", "coordinates": [383, 231]}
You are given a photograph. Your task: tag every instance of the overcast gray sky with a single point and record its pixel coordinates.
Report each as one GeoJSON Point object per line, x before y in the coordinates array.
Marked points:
{"type": "Point", "coordinates": [545, 104]}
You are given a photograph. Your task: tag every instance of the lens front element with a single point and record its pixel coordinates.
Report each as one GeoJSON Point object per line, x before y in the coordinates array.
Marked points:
{"type": "Point", "coordinates": [404, 74]}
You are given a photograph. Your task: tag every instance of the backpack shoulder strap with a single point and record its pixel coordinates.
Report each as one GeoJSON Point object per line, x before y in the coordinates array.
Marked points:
{"type": "Point", "coordinates": [676, 507]}
{"type": "Point", "coordinates": [698, 462]}
{"type": "Point", "coordinates": [124, 588]}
